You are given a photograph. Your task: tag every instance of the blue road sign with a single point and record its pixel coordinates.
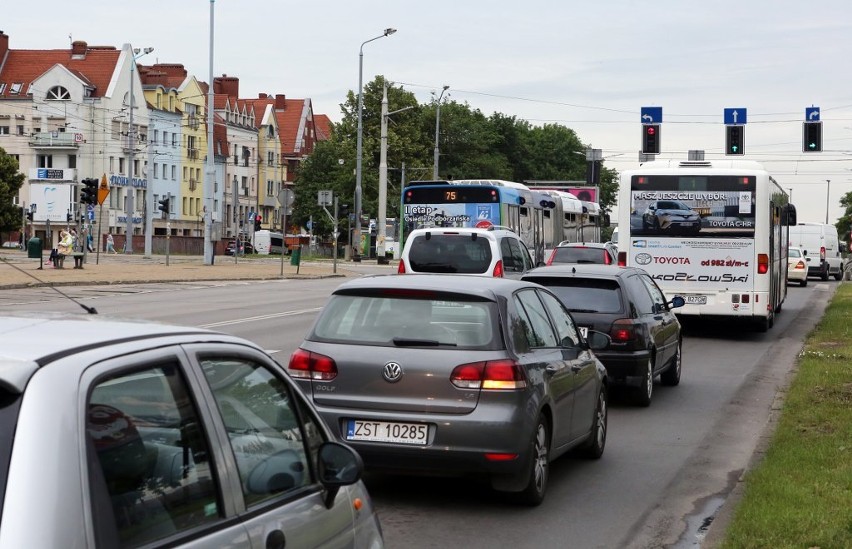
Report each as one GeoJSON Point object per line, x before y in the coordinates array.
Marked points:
{"type": "Point", "coordinates": [90, 212]}
{"type": "Point", "coordinates": [735, 117]}
{"type": "Point", "coordinates": [811, 114]}
{"type": "Point", "coordinates": [652, 115]}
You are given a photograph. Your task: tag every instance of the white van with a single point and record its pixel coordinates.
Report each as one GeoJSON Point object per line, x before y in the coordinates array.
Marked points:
{"type": "Point", "coordinates": [819, 244]}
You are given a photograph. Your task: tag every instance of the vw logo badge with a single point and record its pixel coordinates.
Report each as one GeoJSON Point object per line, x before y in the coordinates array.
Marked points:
{"type": "Point", "coordinates": [392, 372]}
{"type": "Point", "coordinates": [643, 258]}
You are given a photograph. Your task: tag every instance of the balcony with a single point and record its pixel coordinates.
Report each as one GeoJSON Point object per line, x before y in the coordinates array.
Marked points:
{"type": "Point", "coordinates": [56, 140]}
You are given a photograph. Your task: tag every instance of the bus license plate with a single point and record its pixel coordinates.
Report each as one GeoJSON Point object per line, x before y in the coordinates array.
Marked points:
{"type": "Point", "coordinates": [384, 431]}
{"type": "Point", "coordinates": [696, 300]}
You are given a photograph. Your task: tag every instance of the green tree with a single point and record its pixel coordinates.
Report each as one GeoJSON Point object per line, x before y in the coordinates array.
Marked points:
{"type": "Point", "coordinates": [844, 224]}
{"type": "Point", "coordinates": [11, 180]}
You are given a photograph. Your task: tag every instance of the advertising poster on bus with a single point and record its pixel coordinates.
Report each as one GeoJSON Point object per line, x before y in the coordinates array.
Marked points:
{"type": "Point", "coordinates": [451, 215]}
{"type": "Point", "coordinates": [692, 213]}
{"type": "Point", "coordinates": [706, 264]}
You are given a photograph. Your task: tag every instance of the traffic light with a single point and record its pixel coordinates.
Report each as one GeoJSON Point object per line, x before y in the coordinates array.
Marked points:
{"type": "Point", "coordinates": [812, 137]}
{"type": "Point", "coordinates": [164, 206]}
{"type": "Point", "coordinates": [89, 191]}
{"type": "Point", "coordinates": [257, 219]}
{"type": "Point", "coordinates": [29, 215]}
{"type": "Point", "coordinates": [651, 139]}
{"type": "Point", "coordinates": [735, 140]}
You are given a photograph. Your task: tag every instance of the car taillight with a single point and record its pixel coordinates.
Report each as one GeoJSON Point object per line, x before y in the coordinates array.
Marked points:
{"type": "Point", "coordinates": [622, 259]}
{"type": "Point", "coordinates": [550, 259]}
{"type": "Point", "coordinates": [401, 268]}
{"type": "Point", "coordinates": [491, 375]}
{"type": "Point", "coordinates": [307, 365]}
{"type": "Point", "coordinates": [607, 259]}
{"type": "Point", "coordinates": [800, 264]}
{"type": "Point", "coordinates": [623, 331]}
{"type": "Point", "coordinates": [762, 263]}
{"type": "Point", "coordinates": [498, 269]}
{"type": "Point", "coordinates": [822, 253]}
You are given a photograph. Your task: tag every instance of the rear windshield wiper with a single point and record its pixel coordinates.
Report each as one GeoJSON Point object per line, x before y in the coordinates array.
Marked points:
{"type": "Point", "coordinates": [411, 342]}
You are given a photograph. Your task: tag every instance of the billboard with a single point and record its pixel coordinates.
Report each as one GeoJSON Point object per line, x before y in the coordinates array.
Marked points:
{"type": "Point", "coordinates": [52, 201]}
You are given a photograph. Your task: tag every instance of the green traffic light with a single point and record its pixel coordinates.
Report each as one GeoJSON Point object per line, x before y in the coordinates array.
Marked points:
{"type": "Point", "coordinates": [733, 148]}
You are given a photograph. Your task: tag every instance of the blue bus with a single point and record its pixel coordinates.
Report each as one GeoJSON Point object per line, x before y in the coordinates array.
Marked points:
{"type": "Point", "coordinates": [480, 203]}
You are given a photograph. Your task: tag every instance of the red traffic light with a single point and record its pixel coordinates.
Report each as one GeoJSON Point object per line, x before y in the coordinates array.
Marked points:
{"type": "Point", "coordinates": [258, 218]}
{"type": "Point", "coordinates": [651, 130]}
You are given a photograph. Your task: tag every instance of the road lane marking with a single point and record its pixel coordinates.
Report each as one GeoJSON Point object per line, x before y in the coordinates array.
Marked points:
{"type": "Point", "coordinates": [260, 317]}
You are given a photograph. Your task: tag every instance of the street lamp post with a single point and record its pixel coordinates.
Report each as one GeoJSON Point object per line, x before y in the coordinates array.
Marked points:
{"type": "Point", "coordinates": [135, 54]}
{"type": "Point", "coordinates": [381, 224]}
{"type": "Point", "coordinates": [210, 170]}
{"type": "Point", "coordinates": [827, 194]}
{"type": "Point", "coordinates": [357, 234]}
{"type": "Point", "coordinates": [437, 126]}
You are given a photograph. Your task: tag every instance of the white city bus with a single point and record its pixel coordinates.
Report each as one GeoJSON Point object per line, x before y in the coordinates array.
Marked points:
{"type": "Point", "coordinates": [714, 232]}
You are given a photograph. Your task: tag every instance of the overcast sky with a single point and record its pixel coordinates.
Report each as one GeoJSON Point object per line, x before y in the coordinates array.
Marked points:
{"type": "Point", "coordinates": [590, 66]}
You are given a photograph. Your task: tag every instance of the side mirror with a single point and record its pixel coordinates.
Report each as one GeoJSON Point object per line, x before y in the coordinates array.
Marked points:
{"type": "Point", "coordinates": [676, 302]}
{"type": "Point", "coordinates": [541, 264]}
{"type": "Point", "coordinates": [598, 340]}
{"type": "Point", "coordinates": [338, 465]}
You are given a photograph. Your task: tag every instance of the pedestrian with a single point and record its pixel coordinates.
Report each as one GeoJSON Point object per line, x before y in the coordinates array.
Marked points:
{"type": "Point", "coordinates": [90, 242]}
{"type": "Point", "coordinates": [74, 239]}
{"type": "Point", "coordinates": [110, 244]}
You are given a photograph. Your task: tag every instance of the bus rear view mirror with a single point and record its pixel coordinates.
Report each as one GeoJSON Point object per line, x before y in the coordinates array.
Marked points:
{"type": "Point", "coordinates": [789, 215]}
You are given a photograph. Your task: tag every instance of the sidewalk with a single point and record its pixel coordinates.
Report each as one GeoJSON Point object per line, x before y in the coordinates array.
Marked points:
{"type": "Point", "coordinates": [135, 269]}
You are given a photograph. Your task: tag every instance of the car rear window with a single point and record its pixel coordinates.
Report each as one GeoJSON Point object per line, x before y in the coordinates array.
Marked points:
{"type": "Point", "coordinates": [590, 295]}
{"type": "Point", "coordinates": [794, 253]}
{"type": "Point", "coordinates": [450, 253]}
{"type": "Point", "coordinates": [578, 254]}
{"type": "Point", "coordinates": [406, 320]}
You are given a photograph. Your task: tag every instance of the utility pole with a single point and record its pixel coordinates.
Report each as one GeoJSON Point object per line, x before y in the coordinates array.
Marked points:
{"type": "Point", "coordinates": [131, 152]}
{"type": "Point", "coordinates": [210, 170]}
{"type": "Point", "coordinates": [437, 126]}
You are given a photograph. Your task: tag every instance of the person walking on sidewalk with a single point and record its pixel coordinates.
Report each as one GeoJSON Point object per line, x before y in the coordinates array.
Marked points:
{"type": "Point", "coordinates": [110, 245]}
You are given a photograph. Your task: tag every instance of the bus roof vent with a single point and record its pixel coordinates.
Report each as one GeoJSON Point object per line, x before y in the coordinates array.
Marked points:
{"type": "Point", "coordinates": [695, 164]}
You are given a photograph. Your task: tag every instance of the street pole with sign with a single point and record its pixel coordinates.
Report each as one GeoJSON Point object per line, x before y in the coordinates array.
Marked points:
{"type": "Point", "coordinates": [285, 199]}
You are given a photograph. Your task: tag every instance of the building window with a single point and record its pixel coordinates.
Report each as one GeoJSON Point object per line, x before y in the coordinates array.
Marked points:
{"type": "Point", "coordinates": [156, 135]}
{"type": "Point", "coordinates": [165, 138]}
{"type": "Point", "coordinates": [16, 88]}
{"type": "Point", "coordinates": [44, 161]}
{"type": "Point", "coordinates": [270, 188]}
{"type": "Point", "coordinates": [270, 159]}
{"type": "Point", "coordinates": [20, 129]}
{"type": "Point", "coordinates": [72, 161]}
{"type": "Point", "coordinates": [165, 175]}
{"type": "Point", "coordinates": [174, 173]}
{"type": "Point", "coordinates": [57, 93]}
{"type": "Point", "coordinates": [4, 130]}
{"type": "Point", "coordinates": [174, 140]}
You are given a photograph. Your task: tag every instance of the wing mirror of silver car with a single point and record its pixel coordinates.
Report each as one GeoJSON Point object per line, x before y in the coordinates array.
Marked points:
{"type": "Point", "coordinates": [598, 340]}
{"type": "Point", "coordinates": [677, 301]}
{"type": "Point", "coordinates": [338, 465]}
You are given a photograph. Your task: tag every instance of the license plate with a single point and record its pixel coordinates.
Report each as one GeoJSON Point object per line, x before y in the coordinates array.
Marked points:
{"type": "Point", "coordinates": [584, 332]}
{"type": "Point", "coordinates": [696, 299]}
{"type": "Point", "coordinates": [385, 431]}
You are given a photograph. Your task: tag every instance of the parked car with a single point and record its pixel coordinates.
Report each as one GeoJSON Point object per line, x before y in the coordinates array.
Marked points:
{"type": "Point", "coordinates": [494, 251]}
{"type": "Point", "coordinates": [245, 248]}
{"type": "Point", "coordinates": [626, 303]}
{"type": "Point", "coordinates": [454, 375]}
{"type": "Point", "coordinates": [584, 252]}
{"type": "Point", "coordinates": [797, 269]}
{"type": "Point", "coordinates": [671, 216]}
{"type": "Point", "coordinates": [155, 435]}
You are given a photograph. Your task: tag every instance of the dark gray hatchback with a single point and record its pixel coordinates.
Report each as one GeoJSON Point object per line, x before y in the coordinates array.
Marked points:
{"type": "Point", "coordinates": [624, 302]}
{"type": "Point", "coordinates": [455, 375]}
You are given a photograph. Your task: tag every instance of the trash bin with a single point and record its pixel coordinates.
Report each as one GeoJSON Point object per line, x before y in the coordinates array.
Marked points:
{"type": "Point", "coordinates": [295, 256]}
{"type": "Point", "coordinates": [34, 247]}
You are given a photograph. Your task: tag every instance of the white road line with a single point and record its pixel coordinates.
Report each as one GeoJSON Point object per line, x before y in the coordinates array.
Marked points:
{"type": "Point", "coordinates": [261, 317]}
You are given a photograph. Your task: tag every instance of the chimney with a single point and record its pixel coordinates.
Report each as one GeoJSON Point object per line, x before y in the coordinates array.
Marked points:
{"type": "Point", "coordinates": [4, 46]}
{"type": "Point", "coordinates": [280, 101]}
{"type": "Point", "coordinates": [262, 96]}
{"type": "Point", "coordinates": [227, 85]}
{"type": "Point", "coordinates": [78, 48]}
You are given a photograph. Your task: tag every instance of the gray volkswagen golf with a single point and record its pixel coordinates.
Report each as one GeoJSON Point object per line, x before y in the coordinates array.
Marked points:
{"type": "Point", "coordinates": [456, 375]}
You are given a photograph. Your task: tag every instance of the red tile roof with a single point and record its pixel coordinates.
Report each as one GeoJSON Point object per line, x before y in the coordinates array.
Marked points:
{"type": "Point", "coordinates": [322, 124]}
{"type": "Point", "coordinates": [96, 67]}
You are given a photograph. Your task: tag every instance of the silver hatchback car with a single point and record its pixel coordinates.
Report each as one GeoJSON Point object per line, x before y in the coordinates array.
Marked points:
{"type": "Point", "coordinates": [456, 375]}
{"type": "Point", "coordinates": [126, 434]}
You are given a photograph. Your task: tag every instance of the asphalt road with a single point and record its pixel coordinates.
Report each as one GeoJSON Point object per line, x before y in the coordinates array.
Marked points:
{"type": "Point", "coordinates": [667, 469]}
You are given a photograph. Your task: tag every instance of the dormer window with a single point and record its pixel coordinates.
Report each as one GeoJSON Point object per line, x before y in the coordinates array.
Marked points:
{"type": "Point", "coordinates": [16, 88]}
{"type": "Point", "coordinates": [57, 93]}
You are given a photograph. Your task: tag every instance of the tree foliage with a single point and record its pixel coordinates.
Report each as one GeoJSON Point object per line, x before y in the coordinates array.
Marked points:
{"type": "Point", "coordinates": [471, 146]}
{"type": "Point", "coordinates": [10, 183]}
{"type": "Point", "coordinates": [844, 224]}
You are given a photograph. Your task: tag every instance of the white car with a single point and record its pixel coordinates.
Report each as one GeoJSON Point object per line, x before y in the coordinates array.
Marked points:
{"type": "Point", "coordinates": [494, 252]}
{"type": "Point", "coordinates": [797, 268]}
{"type": "Point", "coordinates": [164, 436]}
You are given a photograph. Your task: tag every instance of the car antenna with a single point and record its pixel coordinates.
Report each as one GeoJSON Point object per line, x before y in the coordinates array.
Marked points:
{"type": "Point", "coordinates": [90, 310]}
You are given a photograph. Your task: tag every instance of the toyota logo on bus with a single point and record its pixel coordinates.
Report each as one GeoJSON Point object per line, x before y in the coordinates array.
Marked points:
{"type": "Point", "coordinates": [643, 259]}
{"type": "Point", "coordinates": [392, 372]}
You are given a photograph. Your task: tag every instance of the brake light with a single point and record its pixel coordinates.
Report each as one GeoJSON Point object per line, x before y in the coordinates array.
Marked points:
{"type": "Point", "coordinates": [491, 375]}
{"type": "Point", "coordinates": [822, 253]}
{"type": "Point", "coordinates": [551, 257]}
{"type": "Point", "coordinates": [498, 269]}
{"type": "Point", "coordinates": [800, 264]}
{"type": "Point", "coordinates": [307, 365]}
{"type": "Point", "coordinates": [762, 263]}
{"type": "Point", "coordinates": [501, 457]}
{"type": "Point", "coordinates": [607, 259]}
{"type": "Point", "coordinates": [401, 268]}
{"type": "Point", "coordinates": [622, 331]}
{"type": "Point", "coordinates": [622, 259]}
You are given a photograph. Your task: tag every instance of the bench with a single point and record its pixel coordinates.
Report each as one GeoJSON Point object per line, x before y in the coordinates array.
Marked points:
{"type": "Point", "coordinates": [78, 259]}
{"type": "Point", "coordinates": [59, 260]}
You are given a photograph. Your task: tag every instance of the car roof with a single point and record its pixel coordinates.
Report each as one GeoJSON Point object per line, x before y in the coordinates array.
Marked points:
{"type": "Point", "coordinates": [584, 245]}
{"type": "Point", "coordinates": [580, 270]}
{"type": "Point", "coordinates": [491, 232]}
{"type": "Point", "coordinates": [484, 287]}
{"type": "Point", "coordinates": [31, 340]}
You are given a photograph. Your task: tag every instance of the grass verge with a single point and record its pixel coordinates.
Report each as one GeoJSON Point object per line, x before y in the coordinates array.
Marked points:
{"type": "Point", "coordinates": [800, 494]}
